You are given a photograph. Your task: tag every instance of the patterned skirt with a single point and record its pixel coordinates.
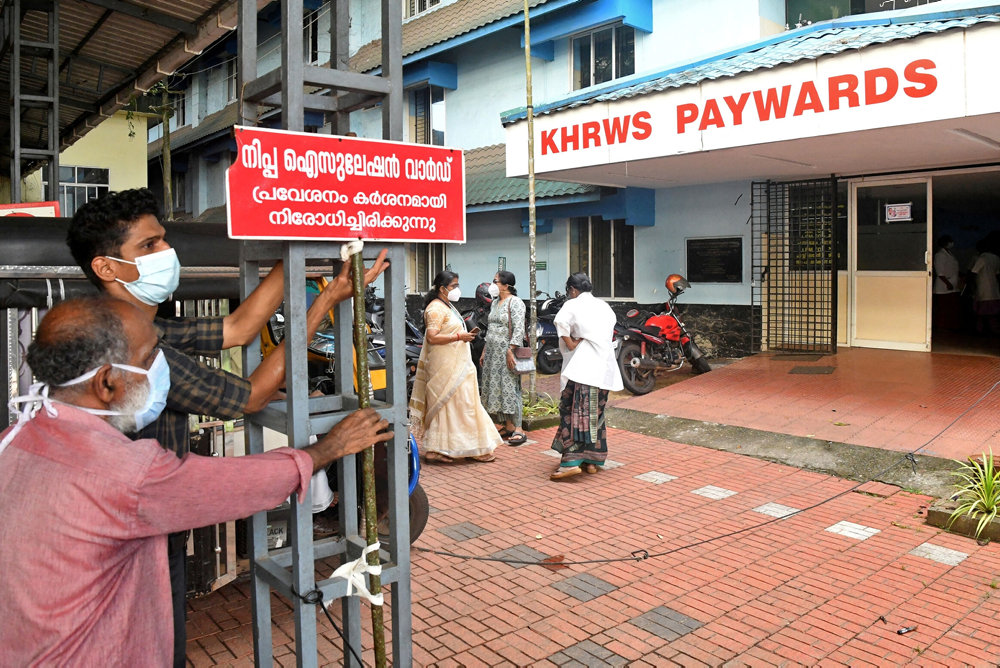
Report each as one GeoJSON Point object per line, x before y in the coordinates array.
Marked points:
{"type": "Point", "coordinates": [582, 434]}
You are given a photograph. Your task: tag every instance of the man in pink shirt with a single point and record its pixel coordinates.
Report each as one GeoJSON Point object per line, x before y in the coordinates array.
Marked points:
{"type": "Point", "coordinates": [86, 511]}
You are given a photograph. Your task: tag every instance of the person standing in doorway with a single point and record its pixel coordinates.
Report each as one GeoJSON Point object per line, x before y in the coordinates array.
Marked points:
{"type": "Point", "coordinates": [947, 294]}
{"type": "Point", "coordinates": [987, 305]}
{"type": "Point", "coordinates": [586, 326]}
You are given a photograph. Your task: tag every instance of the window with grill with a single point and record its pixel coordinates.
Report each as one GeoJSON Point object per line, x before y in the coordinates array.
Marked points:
{"type": "Point", "coordinates": [310, 37]}
{"type": "Point", "coordinates": [231, 80]}
{"type": "Point", "coordinates": [605, 250]}
{"type": "Point", "coordinates": [602, 55]}
{"type": "Point", "coordinates": [178, 188]}
{"type": "Point", "coordinates": [79, 185]}
{"type": "Point", "coordinates": [414, 7]}
{"type": "Point", "coordinates": [179, 103]}
{"type": "Point", "coordinates": [802, 12]}
{"type": "Point", "coordinates": [426, 115]}
{"type": "Point", "coordinates": [423, 262]}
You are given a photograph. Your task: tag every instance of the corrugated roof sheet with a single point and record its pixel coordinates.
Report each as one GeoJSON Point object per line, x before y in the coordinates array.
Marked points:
{"type": "Point", "coordinates": [107, 51]}
{"type": "Point", "coordinates": [809, 43]}
{"type": "Point", "coordinates": [440, 24]}
{"type": "Point", "coordinates": [486, 180]}
{"type": "Point", "coordinates": [222, 120]}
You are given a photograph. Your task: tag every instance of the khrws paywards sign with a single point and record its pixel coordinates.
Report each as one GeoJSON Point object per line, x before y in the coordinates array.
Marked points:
{"type": "Point", "coordinates": [297, 185]}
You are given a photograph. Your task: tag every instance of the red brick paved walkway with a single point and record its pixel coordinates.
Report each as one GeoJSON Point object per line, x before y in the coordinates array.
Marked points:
{"type": "Point", "coordinates": [786, 593]}
{"type": "Point", "coordinates": [878, 398]}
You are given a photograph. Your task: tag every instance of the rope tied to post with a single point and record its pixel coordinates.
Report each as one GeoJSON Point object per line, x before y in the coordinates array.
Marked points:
{"type": "Point", "coordinates": [354, 572]}
{"type": "Point", "coordinates": [350, 248]}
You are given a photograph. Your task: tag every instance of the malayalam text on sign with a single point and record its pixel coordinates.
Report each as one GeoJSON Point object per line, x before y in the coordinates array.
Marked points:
{"type": "Point", "coordinates": [297, 185]}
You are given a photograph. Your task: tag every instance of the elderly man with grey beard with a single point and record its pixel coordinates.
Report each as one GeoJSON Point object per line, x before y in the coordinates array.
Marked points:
{"type": "Point", "coordinates": [87, 510]}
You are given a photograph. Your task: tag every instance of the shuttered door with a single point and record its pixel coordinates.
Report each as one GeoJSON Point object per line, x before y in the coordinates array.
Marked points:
{"type": "Point", "coordinates": [794, 265]}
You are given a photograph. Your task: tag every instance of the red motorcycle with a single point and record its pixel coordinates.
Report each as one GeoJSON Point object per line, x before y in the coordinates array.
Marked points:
{"type": "Point", "coordinates": [653, 342]}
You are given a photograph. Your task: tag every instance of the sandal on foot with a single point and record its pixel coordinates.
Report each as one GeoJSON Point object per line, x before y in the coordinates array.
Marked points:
{"type": "Point", "coordinates": [564, 472]}
{"type": "Point", "coordinates": [590, 468]}
{"type": "Point", "coordinates": [504, 433]}
{"type": "Point", "coordinates": [517, 438]}
{"type": "Point", "coordinates": [438, 458]}
{"type": "Point", "coordinates": [488, 457]}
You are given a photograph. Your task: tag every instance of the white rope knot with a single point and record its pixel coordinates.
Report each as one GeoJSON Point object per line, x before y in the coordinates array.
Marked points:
{"type": "Point", "coordinates": [350, 248]}
{"type": "Point", "coordinates": [30, 403]}
{"type": "Point", "coordinates": [354, 572]}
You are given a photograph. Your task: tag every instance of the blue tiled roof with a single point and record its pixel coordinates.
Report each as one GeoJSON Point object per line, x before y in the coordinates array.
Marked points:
{"type": "Point", "coordinates": [807, 43]}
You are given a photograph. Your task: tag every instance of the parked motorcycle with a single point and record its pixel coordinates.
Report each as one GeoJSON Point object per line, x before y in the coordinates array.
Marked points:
{"type": "Point", "coordinates": [321, 370]}
{"type": "Point", "coordinates": [321, 356]}
{"type": "Point", "coordinates": [277, 518]}
{"type": "Point", "coordinates": [375, 317]}
{"type": "Point", "coordinates": [479, 316]}
{"type": "Point", "coordinates": [549, 358]}
{"type": "Point", "coordinates": [653, 342]}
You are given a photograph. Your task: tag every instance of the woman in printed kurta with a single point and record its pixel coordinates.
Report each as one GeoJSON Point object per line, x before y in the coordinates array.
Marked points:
{"type": "Point", "coordinates": [501, 390]}
{"type": "Point", "coordinates": [445, 413]}
{"type": "Point", "coordinates": [586, 326]}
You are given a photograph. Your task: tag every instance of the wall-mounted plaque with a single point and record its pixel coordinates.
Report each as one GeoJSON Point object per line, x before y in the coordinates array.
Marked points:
{"type": "Point", "coordinates": [715, 260]}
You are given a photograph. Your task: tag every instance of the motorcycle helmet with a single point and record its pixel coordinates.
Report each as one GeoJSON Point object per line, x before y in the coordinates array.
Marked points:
{"type": "Point", "coordinates": [483, 294]}
{"type": "Point", "coordinates": [676, 284]}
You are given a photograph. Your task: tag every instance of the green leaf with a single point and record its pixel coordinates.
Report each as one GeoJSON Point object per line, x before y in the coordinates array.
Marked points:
{"type": "Point", "coordinates": [977, 491]}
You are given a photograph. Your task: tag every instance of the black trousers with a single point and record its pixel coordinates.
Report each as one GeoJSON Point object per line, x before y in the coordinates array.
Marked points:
{"type": "Point", "coordinates": [176, 556]}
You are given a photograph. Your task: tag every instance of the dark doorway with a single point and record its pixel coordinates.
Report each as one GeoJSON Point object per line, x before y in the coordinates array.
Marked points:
{"type": "Point", "coordinates": [966, 210]}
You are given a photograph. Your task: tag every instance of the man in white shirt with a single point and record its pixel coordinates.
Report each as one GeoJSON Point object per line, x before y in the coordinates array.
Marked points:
{"type": "Point", "coordinates": [947, 295]}
{"type": "Point", "coordinates": [986, 268]}
{"type": "Point", "coordinates": [590, 370]}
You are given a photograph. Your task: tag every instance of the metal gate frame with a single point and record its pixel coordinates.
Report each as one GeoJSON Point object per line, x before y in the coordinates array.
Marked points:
{"type": "Point", "coordinates": [336, 91]}
{"type": "Point", "coordinates": [794, 263]}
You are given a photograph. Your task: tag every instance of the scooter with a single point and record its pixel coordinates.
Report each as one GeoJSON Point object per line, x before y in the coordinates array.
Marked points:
{"type": "Point", "coordinates": [653, 342]}
{"type": "Point", "coordinates": [549, 358]}
{"type": "Point", "coordinates": [414, 338]}
{"type": "Point", "coordinates": [479, 316]}
{"type": "Point", "coordinates": [321, 370]}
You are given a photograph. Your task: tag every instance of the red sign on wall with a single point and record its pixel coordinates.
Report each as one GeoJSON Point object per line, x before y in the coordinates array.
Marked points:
{"type": "Point", "coordinates": [31, 209]}
{"type": "Point", "coordinates": [297, 185]}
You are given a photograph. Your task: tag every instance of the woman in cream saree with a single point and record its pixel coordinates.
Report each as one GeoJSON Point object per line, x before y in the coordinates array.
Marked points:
{"type": "Point", "coordinates": [445, 413]}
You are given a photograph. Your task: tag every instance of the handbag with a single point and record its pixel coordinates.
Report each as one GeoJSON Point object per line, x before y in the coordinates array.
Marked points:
{"type": "Point", "coordinates": [524, 361]}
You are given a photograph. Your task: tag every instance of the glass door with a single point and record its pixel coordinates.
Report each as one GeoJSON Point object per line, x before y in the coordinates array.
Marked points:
{"type": "Point", "coordinates": [891, 262]}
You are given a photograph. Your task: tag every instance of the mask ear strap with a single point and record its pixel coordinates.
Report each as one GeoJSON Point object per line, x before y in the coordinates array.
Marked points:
{"type": "Point", "coordinates": [133, 369]}
{"type": "Point", "coordinates": [26, 407]}
{"type": "Point", "coordinates": [81, 378]}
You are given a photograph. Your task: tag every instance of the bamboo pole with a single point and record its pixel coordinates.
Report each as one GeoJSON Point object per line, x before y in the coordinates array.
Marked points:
{"type": "Point", "coordinates": [532, 267]}
{"type": "Point", "coordinates": [167, 170]}
{"type": "Point", "coordinates": [368, 467]}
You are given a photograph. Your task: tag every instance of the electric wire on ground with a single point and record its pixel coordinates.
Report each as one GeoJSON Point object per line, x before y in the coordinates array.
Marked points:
{"type": "Point", "coordinates": [642, 555]}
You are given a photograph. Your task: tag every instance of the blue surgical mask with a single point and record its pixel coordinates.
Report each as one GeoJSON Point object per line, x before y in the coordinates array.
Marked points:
{"type": "Point", "coordinates": [158, 377]}
{"type": "Point", "coordinates": [159, 274]}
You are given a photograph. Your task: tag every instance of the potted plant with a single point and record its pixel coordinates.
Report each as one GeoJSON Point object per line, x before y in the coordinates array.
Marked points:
{"type": "Point", "coordinates": [974, 507]}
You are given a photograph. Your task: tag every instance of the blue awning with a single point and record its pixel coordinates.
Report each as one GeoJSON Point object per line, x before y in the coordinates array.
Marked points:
{"type": "Point", "coordinates": [636, 206]}
{"type": "Point", "coordinates": [429, 72]}
{"type": "Point", "coordinates": [635, 13]}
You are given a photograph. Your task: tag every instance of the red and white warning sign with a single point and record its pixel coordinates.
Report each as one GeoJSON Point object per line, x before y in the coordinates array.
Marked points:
{"type": "Point", "coordinates": [297, 185]}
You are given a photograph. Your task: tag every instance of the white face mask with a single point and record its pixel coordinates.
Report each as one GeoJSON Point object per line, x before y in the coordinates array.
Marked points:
{"type": "Point", "coordinates": [125, 412]}
{"type": "Point", "coordinates": [454, 295]}
{"type": "Point", "coordinates": [131, 415]}
{"type": "Point", "coordinates": [159, 274]}
{"type": "Point", "coordinates": [494, 290]}
{"type": "Point", "coordinates": [128, 417]}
